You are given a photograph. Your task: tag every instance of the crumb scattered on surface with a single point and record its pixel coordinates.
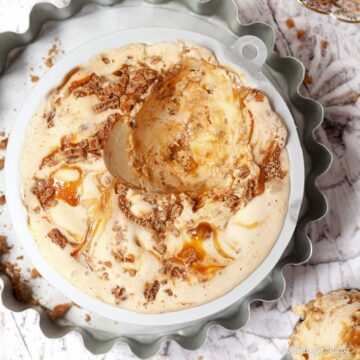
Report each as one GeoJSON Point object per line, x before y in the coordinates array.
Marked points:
{"type": "Point", "coordinates": [353, 96]}
{"type": "Point", "coordinates": [2, 199]}
{"type": "Point", "coordinates": [53, 52]}
{"type": "Point", "coordinates": [308, 79]}
{"type": "Point", "coordinates": [21, 290]}
{"type": "Point", "coordinates": [300, 34]}
{"type": "Point", "coordinates": [3, 143]}
{"type": "Point", "coordinates": [324, 44]}
{"type": "Point", "coordinates": [49, 62]}
{"type": "Point", "coordinates": [35, 274]}
{"type": "Point", "coordinates": [4, 246]}
{"type": "Point", "coordinates": [119, 293]}
{"type": "Point", "coordinates": [290, 23]}
{"type": "Point", "coordinates": [2, 163]}
{"type": "Point", "coordinates": [21, 257]}
{"type": "Point", "coordinates": [59, 311]}
{"type": "Point", "coordinates": [87, 318]}
{"type": "Point", "coordinates": [34, 78]}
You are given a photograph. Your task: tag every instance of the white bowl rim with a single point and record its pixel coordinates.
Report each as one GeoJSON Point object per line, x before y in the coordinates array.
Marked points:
{"type": "Point", "coordinates": [18, 213]}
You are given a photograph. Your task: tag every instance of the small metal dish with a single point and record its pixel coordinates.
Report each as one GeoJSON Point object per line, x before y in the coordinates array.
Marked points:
{"type": "Point", "coordinates": [342, 10]}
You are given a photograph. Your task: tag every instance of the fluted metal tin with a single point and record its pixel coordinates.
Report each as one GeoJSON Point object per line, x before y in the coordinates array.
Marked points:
{"type": "Point", "coordinates": [286, 74]}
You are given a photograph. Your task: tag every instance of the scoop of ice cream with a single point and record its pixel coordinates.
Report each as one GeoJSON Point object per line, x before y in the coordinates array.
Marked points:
{"type": "Point", "coordinates": [190, 134]}
{"type": "Point", "coordinates": [194, 133]}
{"type": "Point", "coordinates": [329, 328]}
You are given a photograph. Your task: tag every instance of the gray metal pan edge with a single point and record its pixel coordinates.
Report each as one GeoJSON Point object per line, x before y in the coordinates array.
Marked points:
{"type": "Point", "coordinates": [286, 74]}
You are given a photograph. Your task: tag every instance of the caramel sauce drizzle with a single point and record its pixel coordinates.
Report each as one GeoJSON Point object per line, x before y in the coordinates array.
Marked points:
{"type": "Point", "coordinates": [251, 126]}
{"type": "Point", "coordinates": [64, 141]}
{"type": "Point", "coordinates": [88, 235]}
{"type": "Point", "coordinates": [220, 250]}
{"type": "Point", "coordinates": [77, 83]}
{"type": "Point", "coordinates": [248, 226]}
{"type": "Point", "coordinates": [352, 338]}
{"type": "Point", "coordinates": [260, 186]}
{"type": "Point", "coordinates": [100, 211]}
{"type": "Point", "coordinates": [67, 190]}
{"type": "Point", "coordinates": [208, 269]}
{"type": "Point", "coordinates": [28, 220]}
{"type": "Point", "coordinates": [272, 154]}
{"type": "Point", "coordinates": [194, 256]}
{"type": "Point", "coordinates": [51, 115]}
{"type": "Point", "coordinates": [270, 168]}
{"type": "Point", "coordinates": [67, 77]}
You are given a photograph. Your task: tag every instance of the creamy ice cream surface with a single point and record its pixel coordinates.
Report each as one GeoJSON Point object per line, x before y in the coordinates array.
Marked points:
{"type": "Point", "coordinates": [329, 328]}
{"type": "Point", "coordinates": [207, 152]}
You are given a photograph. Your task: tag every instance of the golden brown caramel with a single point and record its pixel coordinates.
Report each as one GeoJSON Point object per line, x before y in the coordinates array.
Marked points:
{"type": "Point", "coordinates": [67, 77]}
{"type": "Point", "coordinates": [192, 252]}
{"type": "Point", "coordinates": [204, 231]}
{"type": "Point", "coordinates": [260, 185]}
{"type": "Point", "coordinates": [99, 217]}
{"type": "Point", "coordinates": [352, 338]}
{"type": "Point", "coordinates": [67, 190]}
{"type": "Point", "coordinates": [219, 249]}
{"type": "Point", "coordinates": [251, 126]}
{"type": "Point", "coordinates": [248, 226]}
{"type": "Point", "coordinates": [194, 256]}
{"type": "Point", "coordinates": [77, 83]}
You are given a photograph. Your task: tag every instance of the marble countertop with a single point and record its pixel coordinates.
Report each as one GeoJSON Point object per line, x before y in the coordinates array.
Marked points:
{"type": "Point", "coordinates": [330, 52]}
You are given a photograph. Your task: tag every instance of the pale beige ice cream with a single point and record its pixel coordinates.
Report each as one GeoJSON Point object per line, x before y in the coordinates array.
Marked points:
{"type": "Point", "coordinates": [329, 328]}
{"type": "Point", "coordinates": [193, 124]}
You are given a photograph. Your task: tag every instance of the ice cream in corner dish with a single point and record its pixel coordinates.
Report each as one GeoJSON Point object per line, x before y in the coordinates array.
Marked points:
{"type": "Point", "coordinates": [206, 187]}
{"type": "Point", "coordinates": [329, 327]}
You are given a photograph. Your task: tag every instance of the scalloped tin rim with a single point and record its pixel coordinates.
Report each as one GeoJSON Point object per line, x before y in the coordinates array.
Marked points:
{"type": "Point", "coordinates": [53, 77]}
